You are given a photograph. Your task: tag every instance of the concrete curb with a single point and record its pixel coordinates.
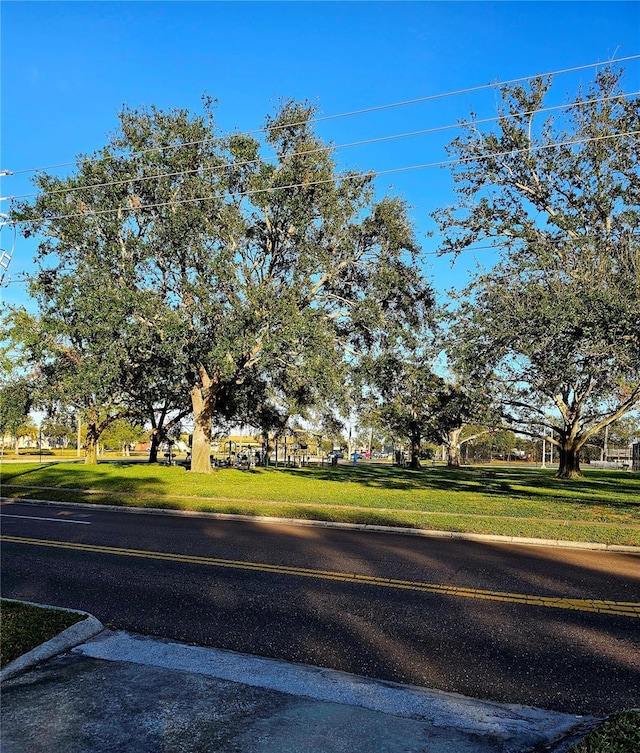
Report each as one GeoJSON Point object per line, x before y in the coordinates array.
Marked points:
{"type": "Point", "coordinates": [441, 709]}
{"type": "Point", "coordinates": [397, 530]}
{"type": "Point", "coordinates": [73, 636]}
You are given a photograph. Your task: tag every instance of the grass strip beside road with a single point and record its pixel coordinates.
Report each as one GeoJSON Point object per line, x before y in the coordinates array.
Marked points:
{"type": "Point", "coordinates": [604, 507]}
{"type": "Point", "coordinates": [25, 626]}
{"type": "Point", "coordinates": [619, 733]}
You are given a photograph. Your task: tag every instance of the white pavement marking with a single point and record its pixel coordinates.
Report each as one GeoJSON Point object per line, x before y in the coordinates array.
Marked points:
{"type": "Point", "coordinates": [49, 520]}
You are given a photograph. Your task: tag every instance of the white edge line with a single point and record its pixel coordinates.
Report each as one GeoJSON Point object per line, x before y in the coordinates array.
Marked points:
{"type": "Point", "coordinates": [50, 520]}
{"type": "Point", "coordinates": [424, 532]}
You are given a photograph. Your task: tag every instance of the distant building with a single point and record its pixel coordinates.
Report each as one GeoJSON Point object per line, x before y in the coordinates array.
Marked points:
{"type": "Point", "coordinates": [635, 456]}
{"type": "Point", "coordinates": [618, 455]}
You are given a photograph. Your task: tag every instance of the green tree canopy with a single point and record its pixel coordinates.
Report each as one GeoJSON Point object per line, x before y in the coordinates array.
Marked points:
{"type": "Point", "coordinates": [460, 415]}
{"type": "Point", "coordinates": [557, 321]}
{"type": "Point", "coordinates": [121, 434]}
{"type": "Point", "coordinates": [16, 400]}
{"type": "Point", "coordinates": [401, 397]}
{"type": "Point", "coordinates": [180, 262]}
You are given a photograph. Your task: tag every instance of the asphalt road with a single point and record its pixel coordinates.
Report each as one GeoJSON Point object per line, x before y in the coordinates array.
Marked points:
{"type": "Point", "coordinates": [556, 628]}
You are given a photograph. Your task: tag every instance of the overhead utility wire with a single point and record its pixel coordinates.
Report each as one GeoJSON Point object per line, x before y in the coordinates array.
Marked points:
{"type": "Point", "coordinates": [377, 108]}
{"type": "Point", "coordinates": [353, 176]}
{"type": "Point", "coordinates": [493, 246]}
{"type": "Point", "coordinates": [329, 148]}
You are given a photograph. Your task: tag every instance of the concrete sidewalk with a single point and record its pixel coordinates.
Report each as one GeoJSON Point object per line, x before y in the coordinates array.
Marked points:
{"type": "Point", "coordinates": [124, 692]}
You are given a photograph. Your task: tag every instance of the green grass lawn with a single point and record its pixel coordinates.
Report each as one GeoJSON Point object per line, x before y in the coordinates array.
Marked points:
{"type": "Point", "coordinates": [620, 733]}
{"type": "Point", "coordinates": [602, 507]}
{"type": "Point", "coordinates": [25, 626]}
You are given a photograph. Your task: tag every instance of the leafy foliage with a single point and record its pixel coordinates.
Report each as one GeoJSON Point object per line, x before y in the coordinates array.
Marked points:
{"type": "Point", "coordinates": [557, 320]}
{"type": "Point", "coordinates": [121, 434]}
{"type": "Point", "coordinates": [178, 265]}
{"type": "Point", "coordinates": [15, 404]}
{"type": "Point", "coordinates": [402, 395]}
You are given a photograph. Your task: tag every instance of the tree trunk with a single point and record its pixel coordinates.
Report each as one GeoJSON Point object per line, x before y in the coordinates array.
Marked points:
{"type": "Point", "coordinates": [415, 451]}
{"type": "Point", "coordinates": [91, 444]}
{"type": "Point", "coordinates": [569, 466]}
{"type": "Point", "coordinates": [203, 403]}
{"type": "Point", "coordinates": [454, 459]}
{"type": "Point", "coordinates": [160, 431]}
{"type": "Point", "coordinates": [157, 434]}
{"type": "Point", "coordinates": [453, 448]}
{"type": "Point", "coordinates": [155, 446]}
{"type": "Point", "coordinates": [201, 442]}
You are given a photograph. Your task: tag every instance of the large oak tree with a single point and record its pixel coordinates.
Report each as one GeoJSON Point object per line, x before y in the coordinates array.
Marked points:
{"type": "Point", "coordinates": [557, 321]}
{"type": "Point", "coordinates": [197, 262]}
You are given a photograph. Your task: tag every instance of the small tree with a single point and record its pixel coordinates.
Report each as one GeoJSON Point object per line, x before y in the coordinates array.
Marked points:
{"type": "Point", "coordinates": [15, 403]}
{"type": "Point", "coordinates": [29, 429]}
{"type": "Point", "coordinates": [402, 397]}
{"type": "Point", "coordinates": [459, 416]}
{"type": "Point", "coordinates": [60, 427]}
{"type": "Point", "coordinates": [121, 435]}
{"type": "Point", "coordinates": [80, 363]}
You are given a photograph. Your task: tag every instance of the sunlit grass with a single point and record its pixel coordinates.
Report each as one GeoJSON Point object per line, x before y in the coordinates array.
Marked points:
{"type": "Point", "coordinates": [25, 626]}
{"type": "Point", "coordinates": [620, 733]}
{"type": "Point", "coordinates": [514, 501]}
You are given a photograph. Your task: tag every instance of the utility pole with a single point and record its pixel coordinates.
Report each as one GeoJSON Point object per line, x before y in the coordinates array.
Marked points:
{"type": "Point", "coordinates": [6, 256]}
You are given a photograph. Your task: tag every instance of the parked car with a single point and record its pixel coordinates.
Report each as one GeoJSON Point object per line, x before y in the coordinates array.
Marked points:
{"type": "Point", "coordinates": [338, 454]}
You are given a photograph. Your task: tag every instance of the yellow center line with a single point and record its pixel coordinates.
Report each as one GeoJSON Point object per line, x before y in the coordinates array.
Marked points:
{"type": "Point", "coordinates": [601, 606]}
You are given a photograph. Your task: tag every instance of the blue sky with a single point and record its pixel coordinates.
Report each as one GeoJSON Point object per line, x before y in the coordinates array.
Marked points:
{"type": "Point", "coordinates": [67, 69]}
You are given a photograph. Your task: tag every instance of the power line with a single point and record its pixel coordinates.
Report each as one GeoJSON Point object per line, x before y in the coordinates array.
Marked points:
{"type": "Point", "coordinates": [498, 245]}
{"type": "Point", "coordinates": [348, 176]}
{"type": "Point", "coordinates": [329, 148]}
{"type": "Point", "coordinates": [364, 111]}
